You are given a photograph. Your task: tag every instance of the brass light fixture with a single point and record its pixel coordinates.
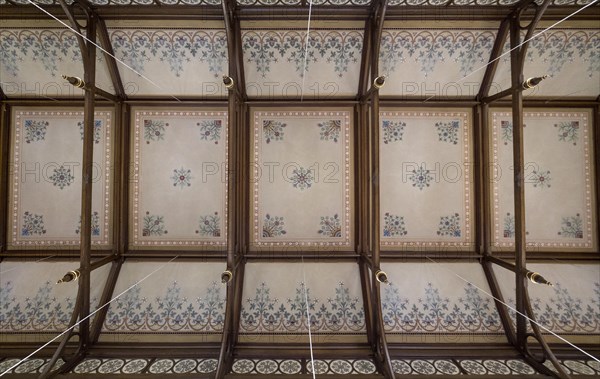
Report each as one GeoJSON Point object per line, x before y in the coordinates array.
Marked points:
{"type": "Point", "coordinates": [228, 81]}
{"type": "Point", "coordinates": [532, 82]}
{"type": "Point", "coordinates": [70, 276]}
{"type": "Point", "coordinates": [536, 278]}
{"type": "Point", "coordinates": [75, 81]}
{"type": "Point", "coordinates": [379, 82]}
{"type": "Point", "coordinates": [381, 277]}
{"type": "Point", "coordinates": [226, 276]}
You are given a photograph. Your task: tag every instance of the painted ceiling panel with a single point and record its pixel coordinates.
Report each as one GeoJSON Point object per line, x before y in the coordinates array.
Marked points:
{"type": "Point", "coordinates": [435, 3]}
{"type": "Point", "coordinates": [433, 298]}
{"type": "Point", "coordinates": [40, 305]}
{"type": "Point", "coordinates": [176, 297]}
{"type": "Point", "coordinates": [426, 194]}
{"type": "Point", "coordinates": [302, 179]}
{"type": "Point", "coordinates": [571, 306]}
{"type": "Point", "coordinates": [434, 62]}
{"type": "Point", "coordinates": [276, 294]}
{"type": "Point", "coordinates": [171, 61]}
{"type": "Point", "coordinates": [179, 189]}
{"type": "Point", "coordinates": [47, 151]}
{"type": "Point", "coordinates": [274, 62]}
{"type": "Point", "coordinates": [558, 185]}
{"type": "Point", "coordinates": [33, 60]}
{"type": "Point", "coordinates": [568, 56]}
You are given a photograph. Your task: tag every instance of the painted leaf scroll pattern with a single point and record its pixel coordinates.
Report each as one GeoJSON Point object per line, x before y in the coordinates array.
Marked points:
{"type": "Point", "coordinates": [433, 312]}
{"type": "Point", "coordinates": [171, 311]}
{"type": "Point", "coordinates": [265, 313]}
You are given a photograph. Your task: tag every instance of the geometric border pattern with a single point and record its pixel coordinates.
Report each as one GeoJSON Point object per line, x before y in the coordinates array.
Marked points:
{"type": "Point", "coordinates": [295, 366]}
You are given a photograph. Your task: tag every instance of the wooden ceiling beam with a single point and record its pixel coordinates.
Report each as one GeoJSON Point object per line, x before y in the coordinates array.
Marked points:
{"type": "Point", "coordinates": [109, 56]}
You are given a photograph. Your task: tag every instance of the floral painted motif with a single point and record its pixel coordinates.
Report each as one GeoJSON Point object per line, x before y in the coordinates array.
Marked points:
{"type": "Point", "coordinates": [302, 178]}
{"type": "Point", "coordinates": [509, 226]}
{"type": "Point", "coordinates": [273, 226]}
{"type": "Point", "coordinates": [559, 48]}
{"type": "Point", "coordinates": [330, 226]}
{"type": "Point", "coordinates": [428, 48]}
{"type": "Point", "coordinates": [568, 131]}
{"type": "Point", "coordinates": [153, 225]}
{"type": "Point", "coordinates": [41, 311]}
{"type": "Point", "coordinates": [48, 47]}
{"type": "Point", "coordinates": [210, 130]}
{"type": "Point", "coordinates": [392, 130]}
{"type": "Point", "coordinates": [33, 224]}
{"type": "Point", "coordinates": [171, 311]}
{"type": "Point", "coordinates": [180, 49]}
{"type": "Point", "coordinates": [182, 177]}
{"type": "Point", "coordinates": [210, 225]}
{"type": "Point", "coordinates": [448, 131]}
{"type": "Point", "coordinates": [35, 130]}
{"type": "Point", "coordinates": [342, 312]}
{"type": "Point", "coordinates": [449, 226]}
{"type": "Point", "coordinates": [95, 225]}
{"type": "Point", "coordinates": [540, 178]}
{"type": "Point", "coordinates": [97, 130]}
{"type": "Point", "coordinates": [420, 178]}
{"type": "Point", "coordinates": [330, 130]}
{"type": "Point", "coordinates": [507, 131]}
{"type": "Point", "coordinates": [61, 177]}
{"type": "Point", "coordinates": [393, 226]}
{"type": "Point", "coordinates": [273, 130]}
{"type": "Point", "coordinates": [154, 130]}
{"type": "Point", "coordinates": [340, 48]}
{"type": "Point", "coordinates": [571, 227]}
{"type": "Point", "coordinates": [435, 313]}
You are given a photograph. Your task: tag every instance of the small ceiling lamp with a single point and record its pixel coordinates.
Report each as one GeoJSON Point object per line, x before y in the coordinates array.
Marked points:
{"type": "Point", "coordinates": [536, 278]}
{"type": "Point", "coordinates": [532, 82]}
{"type": "Point", "coordinates": [228, 81]}
{"type": "Point", "coordinates": [75, 81]}
{"type": "Point", "coordinates": [381, 277]}
{"type": "Point", "coordinates": [70, 276]}
{"type": "Point", "coordinates": [379, 82]}
{"type": "Point", "coordinates": [226, 276]}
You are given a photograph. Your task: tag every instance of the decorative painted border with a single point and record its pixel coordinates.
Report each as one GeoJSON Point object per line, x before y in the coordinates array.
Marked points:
{"type": "Point", "coordinates": [467, 240]}
{"type": "Point", "coordinates": [14, 184]}
{"type": "Point", "coordinates": [138, 115]}
{"type": "Point", "coordinates": [347, 172]}
{"type": "Point", "coordinates": [496, 223]}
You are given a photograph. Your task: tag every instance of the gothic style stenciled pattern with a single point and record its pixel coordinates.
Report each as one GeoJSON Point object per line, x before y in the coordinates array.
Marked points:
{"type": "Point", "coordinates": [568, 56]}
{"type": "Point", "coordinates": [294, 366]}
{"type": "Point", "coordinates": [46, 176]}
{"type": "Point", "coordinates": [276, 297]}
{"type": "Point", "coordinates": [571, 306]}
{"type": "Point", "coordinates": [179, 191]}
{"type": "Point", "coordinates": [558, 180]}
{"type": "Point", "coordinates": [438, 302]}
{"type": "Point", "coordinates": [40, 306]}
{"type": "Point", "coordinates": [434, 61]}
{"type": "Point", "coordinates": [31, 61]}
{"type": "Point", "coordinates": [301, 160]}
{"type": "Point", "coordinates": [193, 302]}
{"type": "Point", "coordinates": [426, 179]}
{"type": "Point", "coordinates": [274, 59]}
{"type": "Point", "coordinates": [179, 61]}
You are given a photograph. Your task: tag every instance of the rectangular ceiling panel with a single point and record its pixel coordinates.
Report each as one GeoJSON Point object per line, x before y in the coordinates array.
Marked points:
{"type": "Point", "coordinates": [179, 62]}
{"type": "Point", "coordinates": [33, 60]}
{"type": "Point", "coordinates": [434, 62]}
{"type": "Point", "coordinates": [559, 193]}
{"type": "Point", "coordinates": [426, 179]}
{"type": "Point", "coordinates": [568, 56]}
{"type": "Point", "coordinates": [302, 179]}
{"type": "Point", "coordinates": [45, 177]}
{"type": "Point", "coordinates": [179, 182]}
{"type": "Point", "coordinates": [274, 61]}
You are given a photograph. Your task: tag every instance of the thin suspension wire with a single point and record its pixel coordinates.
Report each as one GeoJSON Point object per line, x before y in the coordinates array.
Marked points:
{"type": "Point", "coordinates": [521, 44]}
{"type": "Point", "coordinates": [312, 358]}
{"type": "Point", "coordinates": [100, 47]}
{"type": "Point", "coordinates": [24, 263]}
{"type": "Point", "coordinates": [304, 73]}
{"type": "Point", "coordinates": [513, 309]}
{"type": "Point", "coordinates": [88, 316]}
